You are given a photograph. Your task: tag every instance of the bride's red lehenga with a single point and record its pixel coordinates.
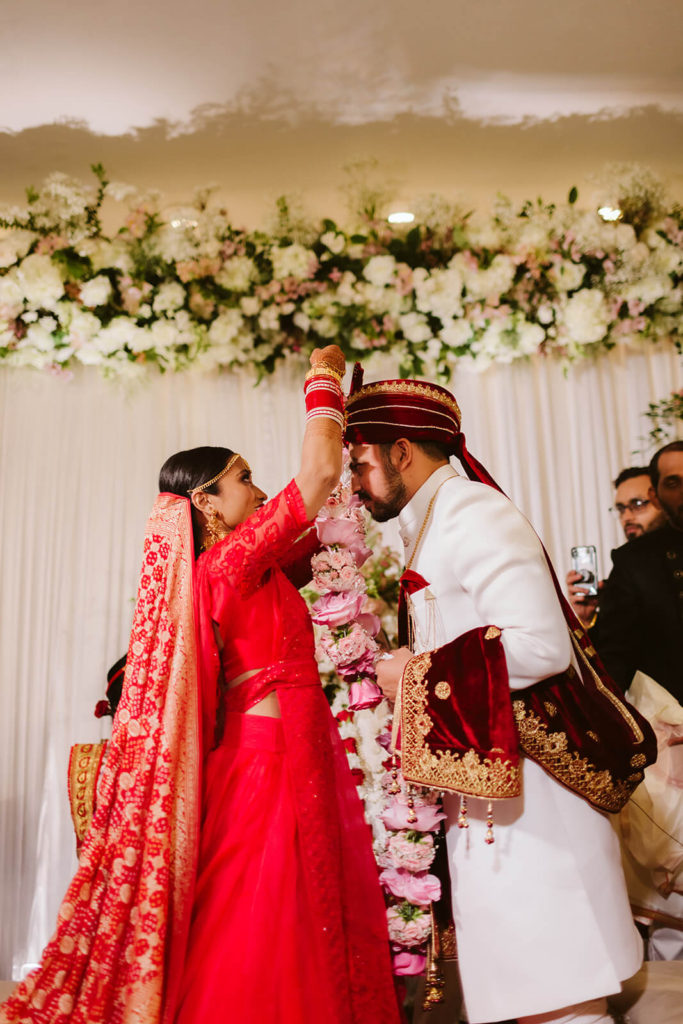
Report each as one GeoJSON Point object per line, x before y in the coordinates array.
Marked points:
{"type": "Point", "coordinates": [238, 886]}
{"type": "Point", "coordinates": [288, 921]}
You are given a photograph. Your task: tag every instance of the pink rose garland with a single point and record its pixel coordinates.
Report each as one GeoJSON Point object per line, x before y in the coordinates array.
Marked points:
{"type": "Point", "coordinates": [409, 817]}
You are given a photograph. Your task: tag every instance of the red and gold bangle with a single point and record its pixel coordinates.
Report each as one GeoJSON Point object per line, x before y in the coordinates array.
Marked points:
{"type": "Point", "coordinates": [324, 397]}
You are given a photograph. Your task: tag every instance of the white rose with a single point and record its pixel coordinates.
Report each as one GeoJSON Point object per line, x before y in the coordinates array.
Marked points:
{"type": "Point", "coordinates": [302, 321]}
{"type": "Point", "coordinates": [415, 327]}
{"type": "Point", "coordinates": [456, 333]}
{"type": "Point", "coordinates": [586, 317]}
{"type": "Point", "coordinates": [225, 327]}
{"type": "Point", "coordinates": [174, 244]}
{"type": "Point", "coordinates": [105, 255]}
{"type": "Point", "coordinates": [380, 270]}
{"type": "Point", "coordinates": [269, 318]}
{"type": "Point", "coordinates": [39, 280]}
{"type": "Point", "coordinates": [567, 276]}
{"type": "Point", "coordinates": [250, 305]}
{"type": "Point", "coordinates": [483, 233]}
{"type": "Point", "coordinates": [237, 274]}
{"type": "Point", "coordinates": [96, 292]}
{"type": "Point", "coordinates": [332, 241]}
{"type": "Point", "coordinates": [39, 338]}
{"type": "Point", "coordinates": [11, 296]}
{"type": "Point", "coordinates": [545, 313]}
{"type": "Point", "coordinates": [649, 290]}
{"type": "Point", "coordinates": [292, 261]}
{"type": "Point", "coordinates": [439, 293]}
{"type": "Point", "coordinates": [492, 282]}
{"type": "Point", "coordinates": [121, 332]}
{"type": "Point", "coordinates": [169, 296]}
{"type": "Point", "coordinates": [14, 244]}
{"type": "Point", "coordinates": [529, 337]}
{"type": "Point", "coordinates": [163, 333]}
{"type": "Point", "coordinates": [346, 293]}
{"type": "Point", "coordinates": [81, 328]}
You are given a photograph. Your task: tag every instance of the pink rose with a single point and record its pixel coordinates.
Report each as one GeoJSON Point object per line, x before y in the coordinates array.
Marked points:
{"type": "Point", "coordinates": [352, 647]}
{"type": "Point", "coordinates": [397, 814]}
{"type": "Point", "coordinates": [364, 694]}
{"type": "Point", "coordinates": [415, 854]}
{"type": "Point", "coordinates": [370, 623]}
{"type": "Point", "coordinates": [336, 609]}
{"type": "Point", "coordinates": [405, 963]}
{"type": "Point", "coordinates": [408, 926]}
{"type": "Point", "coordinates": [420, 889]}
{"type": "Point", "coordinates": [337, 531]}
{"type": "Point", "coordinates": [363, 666]}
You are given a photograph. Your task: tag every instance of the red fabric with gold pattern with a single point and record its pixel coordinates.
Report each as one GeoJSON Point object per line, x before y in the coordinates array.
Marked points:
{"type": "Point", "coordinates": [120, 939]}
{"type": "Point", "coordinates": [457, 728]}
{"type": "Point", "coordinates": [381, 412]}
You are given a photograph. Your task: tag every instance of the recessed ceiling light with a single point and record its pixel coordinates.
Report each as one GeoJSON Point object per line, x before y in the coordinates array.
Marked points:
{"type": "Point", "coordinates": [610, 213]}
{"type": "Point", "coordinates": [401, 217]}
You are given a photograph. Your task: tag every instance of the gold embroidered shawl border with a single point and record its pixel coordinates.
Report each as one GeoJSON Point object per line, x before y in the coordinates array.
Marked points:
{"type": "Point", "coordinates": [550, 750]}
{"type": "Point", "coordinates": [470, 773]}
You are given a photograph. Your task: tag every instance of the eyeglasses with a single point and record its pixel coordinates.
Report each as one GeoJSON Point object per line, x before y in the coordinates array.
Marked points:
{"type": "Point", "coordinates": [635, 505]}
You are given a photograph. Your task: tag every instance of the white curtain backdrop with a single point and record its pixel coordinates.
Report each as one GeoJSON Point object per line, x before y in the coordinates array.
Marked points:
{"type": "Point", "coordinates": [80, 461]}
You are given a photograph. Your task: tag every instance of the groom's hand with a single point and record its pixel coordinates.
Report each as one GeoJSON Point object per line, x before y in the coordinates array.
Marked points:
{"type": "Point", "coordinates": [390, 669]}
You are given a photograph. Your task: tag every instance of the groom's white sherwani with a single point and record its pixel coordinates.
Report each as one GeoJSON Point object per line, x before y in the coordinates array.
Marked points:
{"type": "Point", "coordinates": [542, 918]}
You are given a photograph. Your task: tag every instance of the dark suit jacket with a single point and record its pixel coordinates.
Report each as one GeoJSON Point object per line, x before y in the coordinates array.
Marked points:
{"type": "Point", "coordinates": [640, 625]}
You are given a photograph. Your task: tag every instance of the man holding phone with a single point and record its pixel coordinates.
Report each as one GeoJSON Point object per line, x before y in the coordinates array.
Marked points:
{"type": "Point", "coordinates": [640, 626]}
{"type": "Point", "coordinates": [637, 514]}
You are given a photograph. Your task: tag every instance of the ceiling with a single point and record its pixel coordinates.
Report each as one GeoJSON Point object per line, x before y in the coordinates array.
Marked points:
{"type": "Point", "coordinates": [263, 98]}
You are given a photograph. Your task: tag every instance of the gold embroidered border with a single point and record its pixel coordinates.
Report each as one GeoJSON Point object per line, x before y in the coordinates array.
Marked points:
{"type": "Point", "coordinates": [549, 749]}
{"type": "Point", "coordinates": [469, 773]}
{"type": "Point", "coordinates": [618, 704]}
{"type": "Point", "coordinates": [405, 387]}
{"type": "Point", "coordinates": [84, 768]}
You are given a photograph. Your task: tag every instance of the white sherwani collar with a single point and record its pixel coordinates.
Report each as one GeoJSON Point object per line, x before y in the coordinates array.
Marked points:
{"type": "Point", "coordinates": [412, 515]}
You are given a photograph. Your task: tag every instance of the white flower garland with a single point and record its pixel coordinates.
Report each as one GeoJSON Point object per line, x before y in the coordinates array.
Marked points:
{"type": "Point", "coordinates": [196, 291]}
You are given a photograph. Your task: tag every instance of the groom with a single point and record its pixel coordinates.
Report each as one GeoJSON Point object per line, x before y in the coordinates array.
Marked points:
{"type": "Point", "coordinates": [542, 920]}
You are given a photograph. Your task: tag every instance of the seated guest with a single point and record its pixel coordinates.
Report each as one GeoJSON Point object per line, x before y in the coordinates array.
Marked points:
{"type": "Point", "coordinates": [637, 514]}
{"type": "Point", "coordinates": [641, 607]}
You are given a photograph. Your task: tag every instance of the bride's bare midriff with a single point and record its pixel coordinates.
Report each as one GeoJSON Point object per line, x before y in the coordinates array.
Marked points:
{"type": "Point", "coordinates": [269, 706]}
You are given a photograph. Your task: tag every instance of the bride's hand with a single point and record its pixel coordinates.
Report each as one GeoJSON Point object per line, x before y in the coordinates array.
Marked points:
{"type": "Point", "coordinates": [331, 356]}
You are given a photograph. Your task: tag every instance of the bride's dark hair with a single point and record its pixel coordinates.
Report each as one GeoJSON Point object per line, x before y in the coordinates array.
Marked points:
{"type": "Point", "coordinates": [186, 470]}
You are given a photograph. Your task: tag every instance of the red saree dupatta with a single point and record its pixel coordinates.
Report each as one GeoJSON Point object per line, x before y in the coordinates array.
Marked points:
{"type": "Point", "coordinates": [117, 953]}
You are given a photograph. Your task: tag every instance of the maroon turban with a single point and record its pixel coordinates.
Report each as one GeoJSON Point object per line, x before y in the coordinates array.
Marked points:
{"type": "Point", "coordinates": [388, 409]}
{"type": "Point", "coordinates": [382, 412]}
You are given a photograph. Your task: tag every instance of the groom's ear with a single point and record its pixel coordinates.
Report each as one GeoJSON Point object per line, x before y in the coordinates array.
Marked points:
{"type": "Point", "coordinates": [402, 453]}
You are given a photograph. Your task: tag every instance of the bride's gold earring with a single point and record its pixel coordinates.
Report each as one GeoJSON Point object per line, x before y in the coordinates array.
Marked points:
{"type": "Point", "coordinates": [214, 528]}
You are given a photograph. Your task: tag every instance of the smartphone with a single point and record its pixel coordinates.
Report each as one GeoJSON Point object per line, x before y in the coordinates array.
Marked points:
{"type": "Point", "coordinates": [585, 562]}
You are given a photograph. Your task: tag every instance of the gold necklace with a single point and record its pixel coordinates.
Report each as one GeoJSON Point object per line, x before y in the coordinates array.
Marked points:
{"type": "Point", "coordinates": [428, 513]}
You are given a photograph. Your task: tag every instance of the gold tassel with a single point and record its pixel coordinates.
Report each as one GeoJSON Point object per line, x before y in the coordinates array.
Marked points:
{"type": "Point", "coordinates": [412, 816]}
{"type": "Point", "coordinates": [489, 824]}
{"type": "Point", "coordinates": [434, 980]}
{"type": "Point", "coordinates": [395, 786]}
{"type": "Point", "coordinates": [462, 818]}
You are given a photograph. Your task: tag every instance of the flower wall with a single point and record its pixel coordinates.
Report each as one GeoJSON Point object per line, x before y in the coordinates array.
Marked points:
{"type": "Point", "coordinates": [191, 289]}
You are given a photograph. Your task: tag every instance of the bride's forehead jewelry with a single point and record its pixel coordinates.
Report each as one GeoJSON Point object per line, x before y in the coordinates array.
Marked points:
{"type": "Point", "coordinates": [228, 466]}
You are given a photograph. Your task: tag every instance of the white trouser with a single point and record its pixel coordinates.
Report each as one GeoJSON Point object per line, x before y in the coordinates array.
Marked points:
{"type": "Point", "coordinates": [592, 1012]}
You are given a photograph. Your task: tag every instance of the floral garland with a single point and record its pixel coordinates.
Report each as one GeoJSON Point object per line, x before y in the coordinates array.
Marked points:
{"type": "Point", "coordinates": [402, 818]}
{"type": "Point", "coordinates": [192, 290]}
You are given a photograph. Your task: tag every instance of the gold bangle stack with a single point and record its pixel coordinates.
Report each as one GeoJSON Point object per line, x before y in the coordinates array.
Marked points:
{"type": "Point", "coordinates": [325, 370]}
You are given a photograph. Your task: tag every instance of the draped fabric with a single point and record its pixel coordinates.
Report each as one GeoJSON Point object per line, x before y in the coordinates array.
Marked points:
{"type": "Point", "coordinates": [339, 911]}
{"type": "Point", "coordinates": [80, 461]}
{"type": "Point", "coordinates": [122, 926]}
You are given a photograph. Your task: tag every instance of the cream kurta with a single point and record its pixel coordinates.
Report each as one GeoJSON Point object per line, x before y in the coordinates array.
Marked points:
{"type": "Point", "coordinates": [542, 917]}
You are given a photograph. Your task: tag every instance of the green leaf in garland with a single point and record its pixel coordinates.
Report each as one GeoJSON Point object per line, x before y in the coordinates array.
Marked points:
{"type": "Point", "coordinates": [573, 195]}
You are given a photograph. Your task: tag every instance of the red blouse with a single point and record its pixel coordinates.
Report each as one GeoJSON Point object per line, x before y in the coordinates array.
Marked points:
{"type": "Point", "coordinates": [249, 580]}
